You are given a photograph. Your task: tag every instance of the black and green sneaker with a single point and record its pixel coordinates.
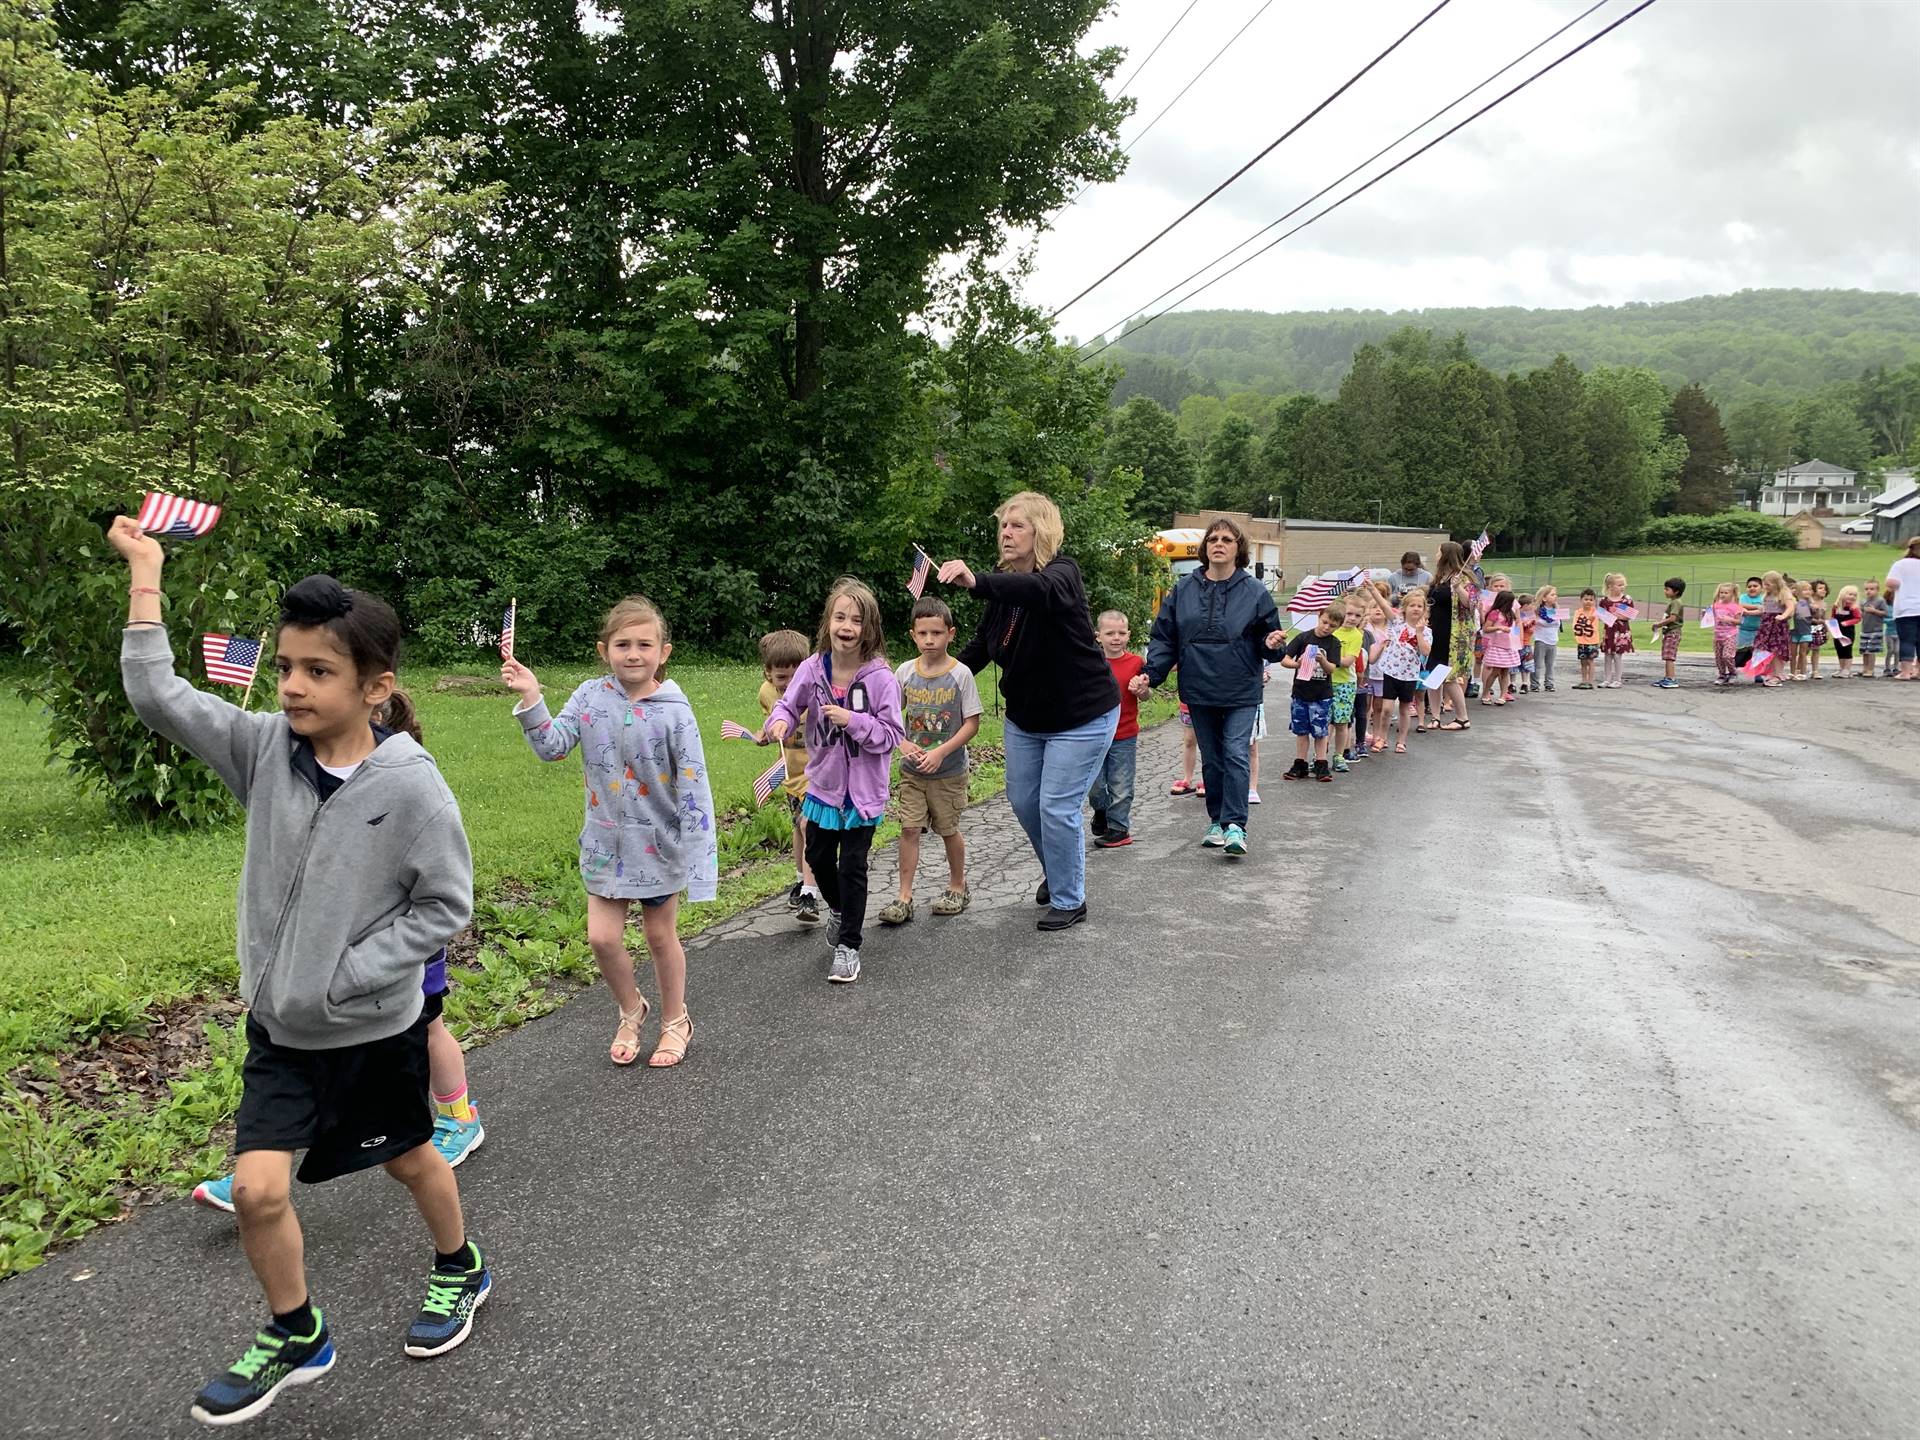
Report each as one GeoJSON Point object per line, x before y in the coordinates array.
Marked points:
{"type": "Point", "coordinates": [454, 1292]}
{"type": "Point", "coordinates": [275, 1360]}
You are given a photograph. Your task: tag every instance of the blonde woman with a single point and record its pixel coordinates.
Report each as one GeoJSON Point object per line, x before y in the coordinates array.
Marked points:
{"type": "Point", "coordinates": [1062, 702]}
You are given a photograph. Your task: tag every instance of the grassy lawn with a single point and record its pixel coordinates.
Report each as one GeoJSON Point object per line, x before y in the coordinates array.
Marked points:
{"type": "Point", "coordinates": [119, 1064]}
{"type": "Point", "coordinates": [1702, 570]}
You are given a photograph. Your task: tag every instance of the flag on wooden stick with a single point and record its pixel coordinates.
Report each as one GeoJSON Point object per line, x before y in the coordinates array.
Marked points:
{"type": "Point", "coordinates": [768, 781]}
{"type": "Point", "coordinates": [732, 730]}
{"type": "Point", "coordinates": [922, 568]}
{"type": "Point", "coordinates": [1478, 548]}
{"type": "Point", "coordinates": [162, 514]}
{"type": "Point", "coordinates": [506, 628]}
{"type": "Point", "coordinates": [231, 659]}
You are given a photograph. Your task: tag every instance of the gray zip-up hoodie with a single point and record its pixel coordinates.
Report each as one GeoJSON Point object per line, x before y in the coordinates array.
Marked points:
{"type": "Point", "coordinates": [341, 904]}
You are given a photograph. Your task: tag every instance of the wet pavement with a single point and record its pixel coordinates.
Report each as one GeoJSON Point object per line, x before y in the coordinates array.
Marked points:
{"type": "Point", "coordinates": [1561, 1078]}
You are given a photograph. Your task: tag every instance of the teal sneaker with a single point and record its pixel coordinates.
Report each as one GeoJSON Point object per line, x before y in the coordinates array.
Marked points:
{"type": "Point", "coordinates": [274, 1361]}
{"type": "Point", "coordinates": [455, 1140]}
{"type": "Point", "coordinates": [454, 1293]}
{"type": "Point", "coordinates": [1236, 840]}
{"type": "Point", "coordinates": [1340, 766]}
{"type": "Point", "coordinates": [215, 1194]}
{"type": "Point", "coordinates": [1216, 837]}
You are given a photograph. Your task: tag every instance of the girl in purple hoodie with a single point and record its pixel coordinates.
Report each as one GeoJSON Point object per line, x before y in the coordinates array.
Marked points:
{"type": "Point", "coordinates": [846, 696]}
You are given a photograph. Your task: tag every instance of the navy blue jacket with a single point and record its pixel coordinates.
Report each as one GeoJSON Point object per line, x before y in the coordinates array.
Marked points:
{"type": "Point", "coordinates": [1216, 632]}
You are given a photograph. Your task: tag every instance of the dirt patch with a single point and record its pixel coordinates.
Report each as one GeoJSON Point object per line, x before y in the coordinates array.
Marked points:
{"type": "Point", "coordinates": [137, 1064]}
{"type": "Point", "coordinates": [474, 685]}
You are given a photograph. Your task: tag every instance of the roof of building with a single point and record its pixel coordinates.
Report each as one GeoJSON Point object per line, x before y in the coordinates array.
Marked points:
{"type": "Point", "coordinates": [1901, 505]}
{"type": "Point", "coordinates": [1293, 524]}
{"type": "Point", "coordinates": [1808, 469]}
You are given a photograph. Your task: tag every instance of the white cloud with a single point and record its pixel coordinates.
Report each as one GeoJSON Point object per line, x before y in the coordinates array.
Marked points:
{"type": "Point", "coordinates": [1610, 179]}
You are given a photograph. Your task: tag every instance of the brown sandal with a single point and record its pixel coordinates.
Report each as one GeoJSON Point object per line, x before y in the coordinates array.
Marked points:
{"type": "Point", "coordinates": [630, 1020]}
{"type": "Point", "coordinates": [675, 1035]}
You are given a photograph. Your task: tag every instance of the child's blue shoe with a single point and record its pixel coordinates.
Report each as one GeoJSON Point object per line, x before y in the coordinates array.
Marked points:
{"type": "Point", "coordinates": [455, 1139]}
{"type": "Point", "coordinates": [1236, 840]}
{"type": "Point", "coordinates": [215, 1194]}
{"type": "Point", "coordinates": [1216, 837]}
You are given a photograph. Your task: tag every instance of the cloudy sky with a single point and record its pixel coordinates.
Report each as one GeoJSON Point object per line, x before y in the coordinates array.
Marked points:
{"type": "Point", "coordinates": [1705, 146]}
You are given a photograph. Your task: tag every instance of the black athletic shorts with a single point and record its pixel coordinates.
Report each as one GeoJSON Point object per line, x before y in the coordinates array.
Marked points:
{"type": "Point", "coordinates": [1399, 691]}
{"type": "Point", "coordinates": [349, 1109]}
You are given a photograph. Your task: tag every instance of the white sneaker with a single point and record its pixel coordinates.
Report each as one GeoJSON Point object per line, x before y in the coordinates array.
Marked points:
{"type": "Point", "coordinates": [846, 965]}
{"type": "Point", "coordinates": [1253, 797]}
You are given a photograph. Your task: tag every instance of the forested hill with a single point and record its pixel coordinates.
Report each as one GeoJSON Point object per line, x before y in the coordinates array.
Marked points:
{"type": "Point", "coordinates": [1776, 344]}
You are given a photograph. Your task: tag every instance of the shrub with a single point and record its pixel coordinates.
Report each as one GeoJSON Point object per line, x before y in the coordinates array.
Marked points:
{"type": "Point", "coordinates": [1729, 530]}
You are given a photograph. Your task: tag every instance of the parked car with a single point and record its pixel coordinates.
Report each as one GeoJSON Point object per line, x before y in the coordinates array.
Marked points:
{"type": "Point", "coordinates": [1861, 525]}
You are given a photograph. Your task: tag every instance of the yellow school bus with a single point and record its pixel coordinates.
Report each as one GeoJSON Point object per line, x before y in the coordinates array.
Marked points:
{"type": "Point", "coordinates": [1181, 550]}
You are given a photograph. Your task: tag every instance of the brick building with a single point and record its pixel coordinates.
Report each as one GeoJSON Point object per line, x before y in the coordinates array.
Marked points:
{"type": "Point", "coordinates": [1285, 552]}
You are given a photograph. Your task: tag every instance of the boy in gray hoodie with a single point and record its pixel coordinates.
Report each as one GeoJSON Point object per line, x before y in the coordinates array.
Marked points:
{"type": "Point", "coordinates": [356, 872]}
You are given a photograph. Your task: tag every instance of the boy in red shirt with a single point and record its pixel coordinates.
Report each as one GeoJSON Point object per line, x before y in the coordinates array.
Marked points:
{"type": "Point", "coordinates": [1112, 792]}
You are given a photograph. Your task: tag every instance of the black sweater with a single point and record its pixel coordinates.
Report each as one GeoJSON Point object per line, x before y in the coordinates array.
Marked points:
{"type": "Point", "coordinates": [1036, 628]}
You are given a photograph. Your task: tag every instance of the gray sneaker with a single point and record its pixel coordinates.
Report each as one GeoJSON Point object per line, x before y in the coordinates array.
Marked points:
{"type": "Point", "coordinates": [846, 965]}
{"type": "Point", "coordinates": [833, 929]}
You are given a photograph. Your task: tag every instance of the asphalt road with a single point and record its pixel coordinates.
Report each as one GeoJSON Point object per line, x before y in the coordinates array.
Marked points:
{"type": "Point", "coordinates": [1557, 1079]}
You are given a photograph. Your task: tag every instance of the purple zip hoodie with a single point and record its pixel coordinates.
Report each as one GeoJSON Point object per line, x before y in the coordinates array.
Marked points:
{"type": "Point", "coordinates": [851, 764]}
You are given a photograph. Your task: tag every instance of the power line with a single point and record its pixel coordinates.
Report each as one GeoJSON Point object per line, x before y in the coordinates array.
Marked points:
{"type": "Point", "coordinates": [1401, 139]}
{"type": "Point", "coordinates": [1127, 84]}
{"type": "Point", "coordinates": [1128, 147]}
{"type": "Point", "coordinates": [1189, 212]}
{"type": "Point", "coordinates": [1353, 195]}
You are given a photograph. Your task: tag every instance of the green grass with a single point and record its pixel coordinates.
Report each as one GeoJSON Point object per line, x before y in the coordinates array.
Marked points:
{"type": "Point", "coordinates": [108, 923]}
{"type": "Point", "coordinates": [1701, 569]}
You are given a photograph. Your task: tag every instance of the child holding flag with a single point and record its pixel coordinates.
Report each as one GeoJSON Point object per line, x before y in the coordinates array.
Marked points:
{"type": "Point", "coordinates": [846, 697]}
{"type": "Point", "coordinates": [1616, 630]}
{"type": "Point", "coordinates": [781, 652]}
{"type": "Point", "coordinates": [1312, 656]}
{"type": "Point", "coordinates": [649, 813]}
{"type": "Point", "coordinates": [338, 914]}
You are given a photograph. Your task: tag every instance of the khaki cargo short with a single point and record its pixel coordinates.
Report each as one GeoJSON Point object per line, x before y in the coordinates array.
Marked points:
{"type": "Point", "coordinates": [935, 804]}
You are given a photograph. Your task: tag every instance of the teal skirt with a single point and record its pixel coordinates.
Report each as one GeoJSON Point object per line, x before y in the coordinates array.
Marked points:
{"type": "Point", "coordinates": [818, 812]}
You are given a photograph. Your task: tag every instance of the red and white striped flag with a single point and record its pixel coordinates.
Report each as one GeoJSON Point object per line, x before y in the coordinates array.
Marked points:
{"type": "Point", "coordinates": [1313, 596]}
{"type": "Point", "coordinates": [729, 730]}
{"type": "Point", "coordinates": [1478, 548]}
{"type": "Point", "coordinates": [768, 781]}
{"type": "Point", "coordinates": [922, 568]}
{"type": "Point", "coordinates": [162, 514]}
{"type": "Point", "coordinates": [506, 628]}
{"type": "Point", "coordinates": [231, 659]}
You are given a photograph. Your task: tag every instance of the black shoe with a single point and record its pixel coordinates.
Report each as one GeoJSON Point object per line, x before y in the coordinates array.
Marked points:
{"type": "Point", "coordinates": [274, 1361]}
{"type": "Point", "coordinates": [1043, 896]}
{"type": "Point", "coordinates": [1061, 919]}
{"type": "Point", "coordinates": [1322, 770]}
{"type": "Point", "coordinates": [454, 1292]}
{"type": "Point", "coordinates": [1296, 771]}
{"type": "Point", "coordinates": [1099, 823]}
{"type": "Point", "coordinates": [793, 896]}
{"type": "Point", "coordinates": [807, 909]}
{"type": "Point", "coordinates": [1112, 840]}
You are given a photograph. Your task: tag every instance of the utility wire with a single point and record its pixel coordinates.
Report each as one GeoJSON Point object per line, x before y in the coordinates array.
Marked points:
{"type": "Point", "coordinates": [1403, 137]}
{"type": "Point", "coordinates": [1128, 147]}
{"type": "Point", "coordinates": [1190, 210]}
{"type": "Point", "coordinates": [1127, 84]}
{"type": "Point", "coordinates": [1353, 195]}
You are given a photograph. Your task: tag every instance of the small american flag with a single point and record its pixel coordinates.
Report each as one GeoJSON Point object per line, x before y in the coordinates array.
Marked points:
{"type": "Point", "coordinates": [729, 730]}
{"type": "Point", "coordinates": [506, 629]}
{"type": "Point", "coordinates": [1313, 596]}
{"type": "Point", "coordinates": [231, 659]}
{"type": "Point", "coordinates": [922, 568]}
{"type": "Point", "coordinates": [768, 781]}
{"type": "Point", "coordinates": [162, 514]}
{"type": "Point", "coordinates": [1478, 548]}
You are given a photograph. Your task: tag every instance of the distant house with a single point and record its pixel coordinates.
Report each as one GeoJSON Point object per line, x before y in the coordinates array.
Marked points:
{"type": "Point", "coordinates": [1814, 485]}
{"type": "Point", "coordinates": [1896, 509]}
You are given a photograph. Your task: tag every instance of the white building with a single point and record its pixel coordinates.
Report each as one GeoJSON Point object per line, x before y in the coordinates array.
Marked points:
{"type": "Point", "coordinates": [1814, 485]}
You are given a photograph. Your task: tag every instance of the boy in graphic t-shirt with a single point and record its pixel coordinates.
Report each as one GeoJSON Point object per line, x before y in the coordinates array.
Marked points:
{"type": "Point", "coordinates": [940, 708]}
{"type": "Point", "coordinates": [1313, 655]}
{"type": "Point", "coordinates": [1112, 792]}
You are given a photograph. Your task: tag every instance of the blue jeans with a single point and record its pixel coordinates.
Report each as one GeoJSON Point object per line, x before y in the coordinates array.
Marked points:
{"type": "Point", "coordinates": [1047, 778]}
{"type": "Point", "coordinates": [1112, 792]}
{"type": "Point", "coordinates": [1224, 734]}
{"type": "Point", "coordinates": [1906, 635]}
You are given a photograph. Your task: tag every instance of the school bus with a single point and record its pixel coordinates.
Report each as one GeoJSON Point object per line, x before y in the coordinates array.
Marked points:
{"type": "Point", "coordinates": [1181, 550]}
